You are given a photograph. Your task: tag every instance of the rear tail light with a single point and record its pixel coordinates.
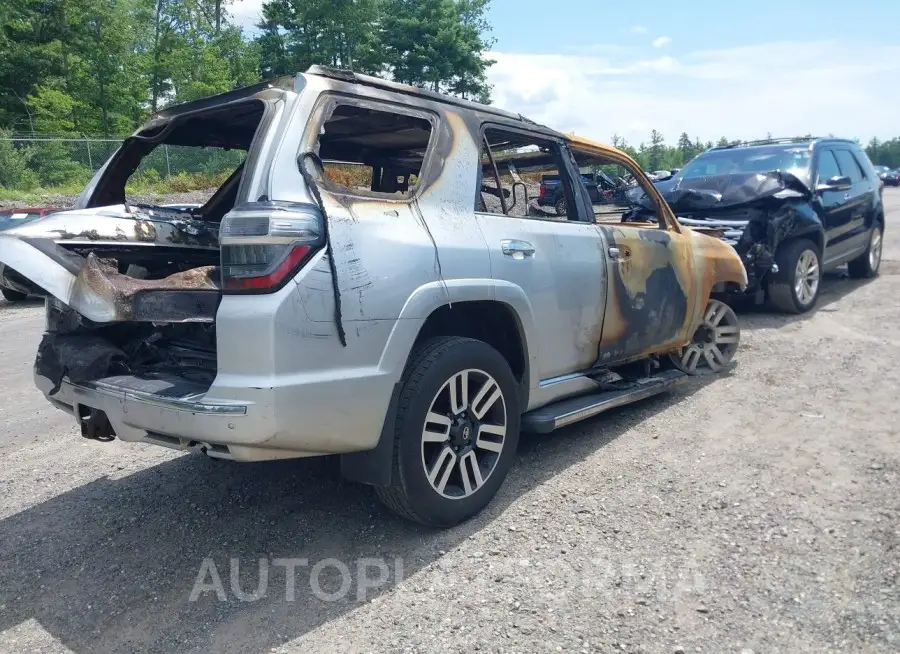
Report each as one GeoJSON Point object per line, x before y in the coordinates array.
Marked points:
{"type": "Point", "coordinates": [264, 244]}
{"type": "Point", "coordinates": [543, 191]}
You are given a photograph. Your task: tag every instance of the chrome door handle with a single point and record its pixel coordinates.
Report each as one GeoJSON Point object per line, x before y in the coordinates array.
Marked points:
{"type": "Point", "coordinates": [618, 255]}
{"type": "Point", "coordinates": [516, 249]}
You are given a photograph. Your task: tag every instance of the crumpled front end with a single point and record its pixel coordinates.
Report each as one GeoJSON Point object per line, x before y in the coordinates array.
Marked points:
{"type": "Point", "coordinates": [752, 212]}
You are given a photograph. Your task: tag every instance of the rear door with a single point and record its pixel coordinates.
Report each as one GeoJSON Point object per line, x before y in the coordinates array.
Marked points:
{"type": "Point", "coordinates": [833, 207]}
{"type": "Point", "coordinates": [556, 259]}
{"type": "Point", "coordinates": [862, 200]}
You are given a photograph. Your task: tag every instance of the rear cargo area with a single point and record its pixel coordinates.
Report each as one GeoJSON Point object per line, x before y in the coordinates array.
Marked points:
{"type": "Point", "coordinates": [81, 352]}
{"type": "Point", "coordinates": [132, 289]}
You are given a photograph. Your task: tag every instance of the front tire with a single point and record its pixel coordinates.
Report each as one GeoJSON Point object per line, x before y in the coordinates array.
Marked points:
{"type": "Point", "coordinates": [795, 287]}
{"type": "Point", "coordinates": [12, 296]}
{"type": "Point", "coordinates": [456, 432]}
{"type": "Point", "coordinates": [714, 343]}
{"type": "Point", "coordinates": [866, 265]}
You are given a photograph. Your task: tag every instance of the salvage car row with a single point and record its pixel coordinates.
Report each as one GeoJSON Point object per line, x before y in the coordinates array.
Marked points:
{"type": "Point", "coordinates": [380, 280]}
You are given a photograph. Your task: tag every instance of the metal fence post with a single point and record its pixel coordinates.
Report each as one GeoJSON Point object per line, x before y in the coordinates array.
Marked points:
{"type": "Point", "coordinates": [168, 168]}
{"type": "Point", "coordinates": [90, 161]}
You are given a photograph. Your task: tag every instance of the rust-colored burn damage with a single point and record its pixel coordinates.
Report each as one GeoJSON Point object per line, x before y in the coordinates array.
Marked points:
{"type": "Point", "coordinates": [189, 296]}
{"type": "Point", "coordinates": [648, 296]}
{"type": "Point", "coordinates": [662, 276]}
{"type": "Point", "coordinates": [657, 295]}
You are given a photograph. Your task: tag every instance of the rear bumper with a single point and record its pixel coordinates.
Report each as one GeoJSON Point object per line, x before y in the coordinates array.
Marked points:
{"type": "Point", "coordinates": [186, 422]}
{"type": "Point", "coordinates": [171, 415]}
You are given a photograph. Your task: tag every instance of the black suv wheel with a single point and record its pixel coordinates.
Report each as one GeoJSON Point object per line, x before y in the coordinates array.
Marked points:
{"type": "Point", "coordinates": [795, 287]}
{"type": "Point", "coordinates": [457, 430]}
{"type": "Point", "coordinates": [867, 264]}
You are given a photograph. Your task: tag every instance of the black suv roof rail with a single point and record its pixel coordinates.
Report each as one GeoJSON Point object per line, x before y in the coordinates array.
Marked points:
{"type": "Point", "coordinates": [772, 141]}
{"type": "Point", "coordinates": [782, 140]}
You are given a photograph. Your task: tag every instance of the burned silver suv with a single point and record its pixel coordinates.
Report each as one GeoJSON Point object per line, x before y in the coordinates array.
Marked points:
{"type": "Point", "coordinates": [376, 280]}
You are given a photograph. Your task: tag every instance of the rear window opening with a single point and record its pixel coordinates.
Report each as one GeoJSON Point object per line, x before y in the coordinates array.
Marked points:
{"type": "Point", "coordinates": [206, 148]}
{"type": "Point", "coordinates": [150, 278]}
{"type": "Point", "coordinates": [372, 151]}
{"type": "Point", "coordinates": [159, 250]}
{"type": "Point", "coordinates": [522, 177]}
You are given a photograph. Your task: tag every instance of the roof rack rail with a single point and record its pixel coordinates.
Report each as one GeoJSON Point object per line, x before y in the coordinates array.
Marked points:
{"type": "Point", "coordinates": [772, 141]}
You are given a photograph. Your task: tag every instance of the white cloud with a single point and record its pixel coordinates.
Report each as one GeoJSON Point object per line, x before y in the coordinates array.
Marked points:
{"type": "Point", "coordinates": [661, 42]}
{"type": "Point", "coordinates": [786, 88]}
{"type": "Point", "coordinates": [246, 14]}
{"type": "Point", "coordinates": [637, 30]}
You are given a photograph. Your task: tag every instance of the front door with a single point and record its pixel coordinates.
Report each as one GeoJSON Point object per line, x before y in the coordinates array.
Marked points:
{"type": "Point", "coordinates": [651, 295]}
{"type": "Point", "coordinates": [833, 207]}
{"type": "Point", "coordinates": [649, 302]}
{"type": "Point", "coordinates": [859, 203]}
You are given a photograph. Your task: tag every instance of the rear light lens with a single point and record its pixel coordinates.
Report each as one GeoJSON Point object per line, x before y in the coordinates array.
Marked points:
{"type": "Point", "coordinates": [264, 244]}
{"type": "Point", "coordinates": [543, 191]}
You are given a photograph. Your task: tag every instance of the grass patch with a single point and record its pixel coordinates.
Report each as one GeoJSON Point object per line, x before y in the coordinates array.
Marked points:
{"type": "Point", "coordinates": [139, 185]}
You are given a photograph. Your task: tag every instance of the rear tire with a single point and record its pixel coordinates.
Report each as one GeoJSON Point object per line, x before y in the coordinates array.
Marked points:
{"type": "Point", "coordinates": [12, 296]}
{"type": "Point", "coordinates": [795, 287]}
{"type": "Point", "coordinates": [560, 207]}
{"type": "Point", "coordinates": [866, 265]}
{"type": "Point", "coordinates": [454, 440]}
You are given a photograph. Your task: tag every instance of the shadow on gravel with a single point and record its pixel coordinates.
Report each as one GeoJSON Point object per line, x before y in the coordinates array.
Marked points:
{"type": "Point", "coordinates": [110, 566]}
{"type": "Point", "coordinates": [835, 286]}
{"type": "Point", "coordinates": [12, 307]}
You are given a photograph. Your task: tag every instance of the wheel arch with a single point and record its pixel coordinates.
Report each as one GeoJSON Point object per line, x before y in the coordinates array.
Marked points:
{"type": "Point", "coordinates": [488, 310]}
{"type": "Point", "coordinates": [812, 233]}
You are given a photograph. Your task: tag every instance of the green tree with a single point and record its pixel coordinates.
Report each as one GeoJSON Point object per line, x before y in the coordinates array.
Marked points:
{"type": "Point", "coordinates": [437, 44]}
{"type": "Point", "coordinates": [656, 150]}
{"type": "Point", "coordinates": [299, 33]}
{"type": "Point", "coordinates": [685, 148]}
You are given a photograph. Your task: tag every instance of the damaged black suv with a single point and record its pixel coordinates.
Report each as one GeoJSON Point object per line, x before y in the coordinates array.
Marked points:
{"type": "Point", "coordinates": [791, 208]}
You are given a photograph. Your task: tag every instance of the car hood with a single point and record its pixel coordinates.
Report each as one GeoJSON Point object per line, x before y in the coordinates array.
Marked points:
{"type": "Point", "coordinates": [734, 191]}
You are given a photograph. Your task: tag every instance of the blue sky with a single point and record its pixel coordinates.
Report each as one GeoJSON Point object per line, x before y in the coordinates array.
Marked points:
{"type": "Point", "coordinates": [712, 68]}
{"type": "Point", "coordinates": [692, 24]}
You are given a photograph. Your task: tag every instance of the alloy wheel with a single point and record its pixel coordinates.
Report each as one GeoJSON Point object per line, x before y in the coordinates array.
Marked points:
{"type": "Point", "coordinates": [714, 343]}
{"type": "Point", "coordinates": [807, 277]}
{"type": "Point", "coordinates": [464, 433]}
{"type": "Point", "coordinates": [875, 250]}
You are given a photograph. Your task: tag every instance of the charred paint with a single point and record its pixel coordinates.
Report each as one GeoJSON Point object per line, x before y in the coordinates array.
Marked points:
{"type": "Point", "coordinates": [648, 302]}
{"type": "Point", "coordinates": [657, 295]}
{"type": "Point", "coordinates": [130, 299]}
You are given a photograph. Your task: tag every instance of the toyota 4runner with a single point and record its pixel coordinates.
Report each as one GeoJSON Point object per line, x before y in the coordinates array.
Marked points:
{"type": "Point", "coordinates": [370, 282]}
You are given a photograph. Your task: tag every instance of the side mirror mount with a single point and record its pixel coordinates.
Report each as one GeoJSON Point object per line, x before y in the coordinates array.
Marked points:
{"type": "Point", "coordinates": [836, 183]}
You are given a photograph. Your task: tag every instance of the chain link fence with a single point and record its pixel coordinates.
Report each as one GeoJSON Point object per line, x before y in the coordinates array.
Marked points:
{"type": "Point", "coordinates": [28, 161]}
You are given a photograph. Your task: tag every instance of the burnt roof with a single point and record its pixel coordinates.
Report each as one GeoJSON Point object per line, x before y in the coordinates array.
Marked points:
{"type": "Point", "coordinates": [406, 89]}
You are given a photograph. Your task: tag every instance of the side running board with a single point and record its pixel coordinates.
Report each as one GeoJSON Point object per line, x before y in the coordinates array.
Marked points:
{"type": "Point", "coordinates": [565, 412]}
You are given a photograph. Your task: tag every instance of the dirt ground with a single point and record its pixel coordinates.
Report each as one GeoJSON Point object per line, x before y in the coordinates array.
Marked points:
{"type": "Point", "coordinates": [756, 512]}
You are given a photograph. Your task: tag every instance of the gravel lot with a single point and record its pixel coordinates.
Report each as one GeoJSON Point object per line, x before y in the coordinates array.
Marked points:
{"type": "Point", "coordinates": [753, 512]}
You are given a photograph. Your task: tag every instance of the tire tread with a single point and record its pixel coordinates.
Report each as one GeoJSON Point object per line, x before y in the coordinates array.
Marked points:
{"type": "Point", "coordinates": [425, 355]}
{"type": "Point", "coordinates": [781, 293]}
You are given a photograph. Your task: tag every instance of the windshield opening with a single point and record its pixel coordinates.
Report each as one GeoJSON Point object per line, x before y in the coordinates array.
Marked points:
{"type": "Point", "coordinates": [732, 161]}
